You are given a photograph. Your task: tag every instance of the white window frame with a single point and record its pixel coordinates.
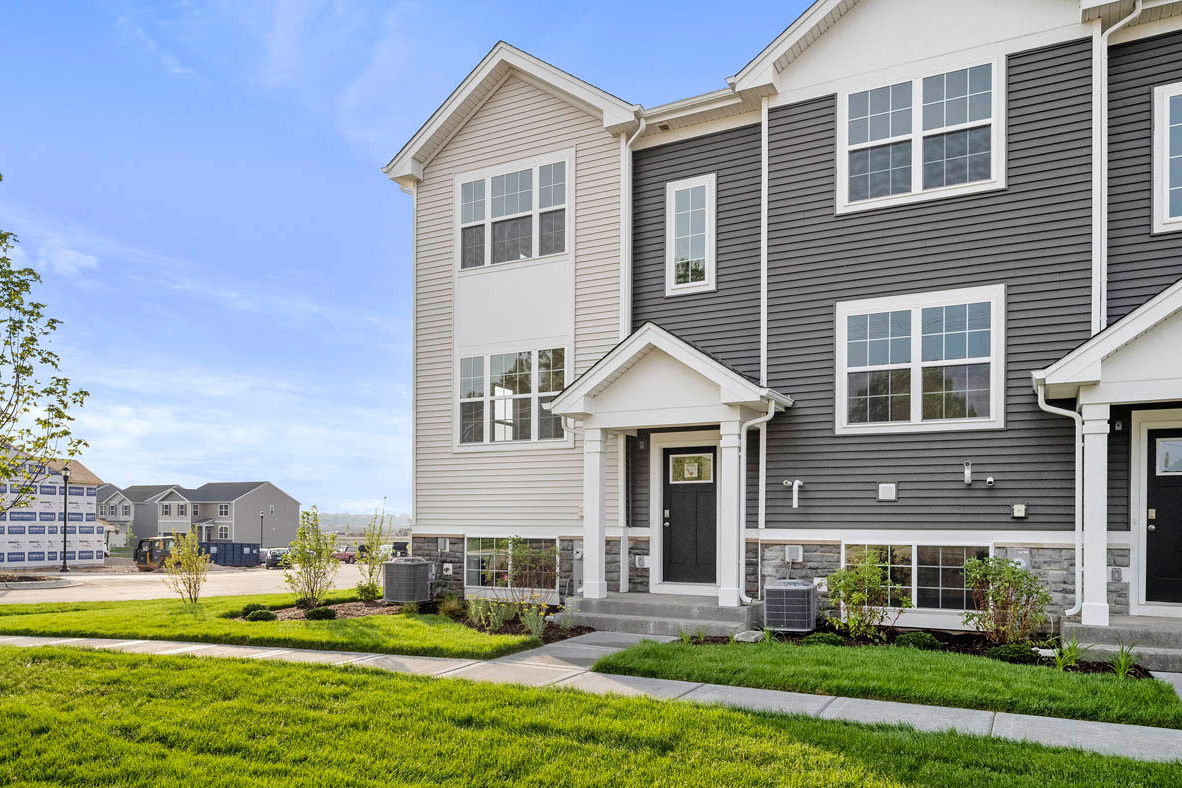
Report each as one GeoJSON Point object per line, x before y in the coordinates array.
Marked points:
{"type": "Point", "coordinates": [916, 302]}
{"type": "Point", "coordinates": [126, 509]}
{"type": "Point", "coordinates": [710, 181]}
{"type": "Point", "coordinates": [1162, 221]}
{"type": "Point", "coordinates": [223, 510]}
{"type": "Point", "coordinates": [503, 592]}
{"type": "Point", "coordinates": [181, 509]}
{"type": "Point", "coordinates": [534, 442]}
{"type": "Point", "coordinates": [102, 510]}
{"type": "Point", "coordinates": [166, 510]}
{"type": "Point", "coordinates": [887, 78]}
{"type": "Point", "coordinates": [487, 174]}
{"type": "Point", "coordinates": [196, 510]}
{"type": "Point", "coordinates": [223, 529]}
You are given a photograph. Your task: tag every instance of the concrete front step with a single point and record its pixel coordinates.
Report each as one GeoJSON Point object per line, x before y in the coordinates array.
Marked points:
{"type": "Point", "coordinates": [1163, 659]}
{"type": "Point", "coordinates": [681, 606]}
{"type": "Point", "coordinates": [1144, 631]}
{"type": "Point", "coordinates": [649, 625]}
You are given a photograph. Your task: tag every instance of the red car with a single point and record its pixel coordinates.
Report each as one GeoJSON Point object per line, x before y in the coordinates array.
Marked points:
{"type": "Point", "coordinates": [346, 555]}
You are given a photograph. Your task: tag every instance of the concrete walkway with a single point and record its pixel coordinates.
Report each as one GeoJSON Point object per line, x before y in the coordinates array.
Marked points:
{"type": "Point", "coordinates": [568, 663]}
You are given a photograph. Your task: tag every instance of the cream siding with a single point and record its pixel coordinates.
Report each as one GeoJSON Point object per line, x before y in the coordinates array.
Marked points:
{"type": "Point", "coordinates": [514, 487]}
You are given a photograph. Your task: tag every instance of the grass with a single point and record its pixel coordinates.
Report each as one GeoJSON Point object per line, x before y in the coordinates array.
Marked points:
{"type": "Point", "coordinates": [170, 619]}
{"type": "Point", "coordinates": [81, 718]}
{"type": "Point", "coordinates": [909, 675]}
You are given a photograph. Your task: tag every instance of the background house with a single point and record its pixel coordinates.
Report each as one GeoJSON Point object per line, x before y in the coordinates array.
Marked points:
{"type": "Point", "coordinates": [242, 512]}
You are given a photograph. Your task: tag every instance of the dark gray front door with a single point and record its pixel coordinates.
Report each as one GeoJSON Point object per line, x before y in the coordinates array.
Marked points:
{"type": "Point", "coordinates": [690, 515]}
{"type": "Point", "coordinates": [1163, 501]}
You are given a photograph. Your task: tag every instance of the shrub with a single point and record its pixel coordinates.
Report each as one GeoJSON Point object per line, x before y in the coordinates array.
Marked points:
{"type": "Point", "coordinates": [260, 615]}
{"type": "Point", "coordinates": [823, 639]}
{"type": "Point", "coordinates": [187, 567]}
{"type": "Point", "coordinates": [864, 596]}
{"type": "Point", "coordinates": [500, 614]}
{"type": "Point", "coordinates": [369, 587]}
{"type": "Point", "coordinates": [1010, 601]}
{"type": "Point", "coordinates": [409, 608]}
{"type": "Point", "coordinates": [452, 605]}
{"type": "Point", "coordinates": [310, 567]}
{"type": "Point", "coordinates": [1017, 653]}
{"type": "Point", "coordinates": [533, 567]}
{"type": "Point", "coordinates": [478, 611]}
{"type": "Point", "coordinates": [533, 618]}
{"type": "Point", "coordinates": [250, 608]}
{"type": "Point", "coordinates": [320, 614]}
{"type": "Point", "coordinates": [921, 640]}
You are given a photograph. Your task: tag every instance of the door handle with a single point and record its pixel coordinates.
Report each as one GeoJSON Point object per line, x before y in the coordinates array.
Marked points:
{"type": "Point", "coordinates": [1150, 527]}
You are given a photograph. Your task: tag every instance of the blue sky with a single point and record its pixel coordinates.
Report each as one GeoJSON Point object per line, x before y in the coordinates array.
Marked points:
{"type": "Point", "coordinates": [199, 185]}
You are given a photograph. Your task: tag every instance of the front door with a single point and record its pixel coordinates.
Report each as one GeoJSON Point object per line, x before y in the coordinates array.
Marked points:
{"type": "Point", "coordinates": [690, 515]}
{"type": "Point", "coordinates": [1163, 518]}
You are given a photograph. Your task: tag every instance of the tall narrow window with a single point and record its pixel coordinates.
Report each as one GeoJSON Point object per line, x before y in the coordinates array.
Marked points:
{"type": "Point", "coordinates": [1167, 158]}
{"type": "Point", "coordinates": [689, 235]}
{"type": "Point", "coordinates": [472, 400]}
{"type": "Point", "coordinates": [472, 224]}
{"type": "Point", "coordinates": [551, 380]}
{"type": "Point", "coordinates": [509, 381]}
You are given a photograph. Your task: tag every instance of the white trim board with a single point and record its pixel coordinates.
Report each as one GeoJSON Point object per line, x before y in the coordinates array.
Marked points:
{"type": "Point", "coordinates": [1143, 422]}
{"type": "Point", "coordinates": [657, 443]}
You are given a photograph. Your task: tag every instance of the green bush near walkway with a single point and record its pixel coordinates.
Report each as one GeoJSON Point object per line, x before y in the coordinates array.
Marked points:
{"type": "Point", "coordinates": [81, 718]}
{"type": "Point", "coordinates": [908, 675]}
{"type": "Point", "coordinates": [205, 622]}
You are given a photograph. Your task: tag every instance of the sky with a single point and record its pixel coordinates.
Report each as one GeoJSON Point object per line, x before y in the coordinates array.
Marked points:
{"type": "Point", "coordinates": [199, 185]}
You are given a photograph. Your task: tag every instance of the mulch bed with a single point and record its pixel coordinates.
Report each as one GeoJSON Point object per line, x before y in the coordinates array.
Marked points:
{"type": "Point", "coordinates": [552, 634]}
{"type": "Point", "coordinates": [21, 578]}
{"type": "Point", "coordinates": [344, 610]}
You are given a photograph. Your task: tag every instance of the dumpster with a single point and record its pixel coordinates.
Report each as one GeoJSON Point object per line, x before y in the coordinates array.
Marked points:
{"type": "Point", "coordinates": [233, 553]}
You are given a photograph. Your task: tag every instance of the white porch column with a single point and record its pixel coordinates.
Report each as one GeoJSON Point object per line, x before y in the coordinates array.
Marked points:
{"type": "Point", "coordinates": [1095, 502]}
{"type": "Point", "coordinates": [730, 579]}
{"type": "Point", "coordinates": [594, 514]}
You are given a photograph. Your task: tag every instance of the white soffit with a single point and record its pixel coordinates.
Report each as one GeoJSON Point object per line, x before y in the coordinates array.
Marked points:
{"type": "Point", "coordinates": [1109, 12]}
{"type": "Point", "coordinates": [789, 45]}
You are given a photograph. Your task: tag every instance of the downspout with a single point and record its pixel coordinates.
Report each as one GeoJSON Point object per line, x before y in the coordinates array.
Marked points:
{"type": "Point", "coordinates": [1041, 388]}
{"type": "Point", "coordinates": [625, 330]}
{"type": "Point", "coordinates": [759, 421]}
{"type": "Point", "coordinates": [1101, 321]}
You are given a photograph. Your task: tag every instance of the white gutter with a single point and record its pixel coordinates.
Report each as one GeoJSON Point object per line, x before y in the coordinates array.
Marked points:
{"type": "Point", "coordinates": [1041, 388]}
{"type": "Point", "coordinates": [759, 421]}
{"type": "Point", "coordinates": [625, 330]}
{"type": "Point", "coordinates": [1100, 221]}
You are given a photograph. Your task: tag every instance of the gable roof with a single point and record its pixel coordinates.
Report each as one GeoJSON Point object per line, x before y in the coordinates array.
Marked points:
{"type": "Point", "coordinates": [144, 493]}
{"type": "Point", "coordinates": [502, 60]}
{"type": "Point", "coordinates": [107, 491]}
{"type": "Point", "coordinates": [734, 385]}
{"type": "Point", "coordinates": [1082, 366]}
{"type": "Point", "coordinates": [813, 23]}
{"type": "Point", "coordinates": [79, 473]}
{"type": "Point", "coordinates": [221, 492]}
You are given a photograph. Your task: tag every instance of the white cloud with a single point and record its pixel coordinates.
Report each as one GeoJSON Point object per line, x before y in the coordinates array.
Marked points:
{"type": "Point", "coordinates": [54, 255]}
{"type": "Point", "coordinates": [139, 36]}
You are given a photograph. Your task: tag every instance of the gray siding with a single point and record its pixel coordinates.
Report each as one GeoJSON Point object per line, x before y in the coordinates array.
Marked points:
{"type": "Point", "coordinates": [724, 322]}
{"type": "Point", "coordinates": [279, 529]}
{"type": "Point", "coordinates": [1034, 236]}
{"type": "Point", "coordinates": [1140, 265]}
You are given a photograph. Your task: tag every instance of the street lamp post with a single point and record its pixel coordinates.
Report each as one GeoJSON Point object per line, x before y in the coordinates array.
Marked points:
{"type": "Point", "coordinates": [260, 535]}
{"type": "Point", "coordinates": [65, 512]}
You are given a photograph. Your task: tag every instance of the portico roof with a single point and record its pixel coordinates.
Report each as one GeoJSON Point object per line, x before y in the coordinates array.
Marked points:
{"type": "Point", "coordinates": [734, 388]}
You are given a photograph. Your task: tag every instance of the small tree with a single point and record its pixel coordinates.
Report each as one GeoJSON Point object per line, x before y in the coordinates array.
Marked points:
{"type": "Point", "coordinates": [1011, 602]}
{"type": "Point", "coordinates": [533, 572]}
{"type": "Point", "coordinates": [865, 597]}
{"type": "Point", "coordinates": [310, 567]}
{"type": "Point", "coordinates": [373, 537]}
{"type": "Point", "coordinates": [186, 567]}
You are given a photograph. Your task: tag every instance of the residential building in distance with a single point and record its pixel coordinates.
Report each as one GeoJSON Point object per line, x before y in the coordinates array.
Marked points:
{"type": "Point", "coordinates": [256, 513]}
{"type": "Point", "coordinates": [911, 280]}
{"type": "Point", "coordinates": [115, 511]}
{"type": "Point", "coordinates": [32, 535]}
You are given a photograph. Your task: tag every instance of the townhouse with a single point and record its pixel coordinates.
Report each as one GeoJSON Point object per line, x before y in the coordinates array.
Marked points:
{"type": "Point", "coordinates": [251, 513]}
{"type": "Point", "coordinates": [910, 280]}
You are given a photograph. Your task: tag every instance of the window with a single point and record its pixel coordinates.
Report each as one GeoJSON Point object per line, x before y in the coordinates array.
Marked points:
{"type": "Point", "coordinates": [102, 510]}
{"type": "Point", "coordinates": [126, 510]}
{"type": "Point", "coordinates": [931, 361]}
{"type": "Point", "coordinates": [166, 510]}
{"type": "Point", "coordinates": [511, 213]}
{"type": "Point", "coordinates": [180, 510]}
{"type": "Point", "coordinates": [937, 580]}
{"type": "Point", "coordinates": [489, 561]}
{"type": "Point", "coordinates": [196, 509]}
{"type": "Point", "coordinates": [271, 509]}
{"type": "Point", "coordinates": [691, 468]}
{"type": "Point", "coordinates": [512, 395]}
{"type": "Point", "coordinates": [223, 532]}
{"type": "Point", "coordinates": [1167, 158]}
{"type": "Point", "coordinates": [223, 510]}
{"type": "Point", "coordinates": [928, 136]}
{"type": "Point", "coordinates": [689, 235]}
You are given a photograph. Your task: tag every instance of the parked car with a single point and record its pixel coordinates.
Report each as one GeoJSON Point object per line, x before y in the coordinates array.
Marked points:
{"type": "Point", "coordinates": [275, 556]}
{"type": "Point", "coordinates": [346, 555]}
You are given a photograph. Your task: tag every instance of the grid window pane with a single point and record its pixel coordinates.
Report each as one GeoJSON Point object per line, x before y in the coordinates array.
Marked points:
{"type": "Point", "coordinates": [551, 369]}
{"type": "Point", "coordinates": [472, 377]}
{"type": "Point", "coordinates": [1175, 154]}
{"type": "Point", "coordinates": [957, 157]}
{"type": "Point", "coordinates": [511, 419]}
{"type": "Point", "coordinates": [880, 113]}
{"type": "Point", "coordinates": [878, 338]}
{"type": "Point", "coordinates": [549, 425]}
{"type": "Point", "coordinates": [956, 331]}
{"type": "Point", "coordinates": [880, 396]}
{"type": "Point", "coordinates": [689, 235]}
{"type": "Point", "coordinates": [512, 239]}
{"type": "Point", "coordinates": [939, 576]}
{"type": "Point", "coordinates": [956, 97]}
{"type": "Point", "coordinates": [471, 422]}
{"type": "Point", "coordinates": [895, 561]}
{"type": "Point", "coordinates": [472, 246]}
{"type": "Point", "coordinates": [509, 373]}
{"type": "Point", "coordinates": [880, 171]}
{"type": "Point", "coordinates": [959, 391]}
{"type": "Point", "coordinates": [472, 202]}
{"type": "Point", "coordinates": [511, 193]}
{"type": "Point", "coordinates": [552, 185]}
{"type": "Point", "coordinates": [552, 232]}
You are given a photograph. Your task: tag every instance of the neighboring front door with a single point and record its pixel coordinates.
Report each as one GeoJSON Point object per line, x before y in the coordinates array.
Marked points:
{"type": "Point", "coordinates": [1163, 518]}
{"type": "Point", "coordinates": [690, 515]}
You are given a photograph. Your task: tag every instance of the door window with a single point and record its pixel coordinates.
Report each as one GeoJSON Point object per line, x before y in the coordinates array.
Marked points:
{"type": "Point", "coordinates": [1169, 456]}
{"type": "Point", "coordinates": [691, 468]}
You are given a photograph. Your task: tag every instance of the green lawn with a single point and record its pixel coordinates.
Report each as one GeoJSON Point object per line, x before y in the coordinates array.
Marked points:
{"type": "Point", "coordinates": [909, 675]}
{"type": "Point", "coordinates": [81, 718]}
{"type": "Point", "coordinates": [170, 619]}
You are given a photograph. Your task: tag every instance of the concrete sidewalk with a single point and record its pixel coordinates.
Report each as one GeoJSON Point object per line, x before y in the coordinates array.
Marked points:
{"type": "Point", "coordinates": [568, 663]}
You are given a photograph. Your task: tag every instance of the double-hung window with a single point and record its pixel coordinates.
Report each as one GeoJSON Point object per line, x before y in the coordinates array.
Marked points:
{"type": "Point", "coordinates": [223, 510]}
{"type": "Point", "coordinates": [515, 212]}
{"type": "Point", "coordinates": [502, 396]}
{"type": "Point", "coordinates": [923, 362]}
{"type": "Point", "coordinates": [166, 510]}
{"type": "Point", "coordinates": [933, 135]}
{"type": "Point", "coordinates": [180, 510]}
{"type": "Point", "coordinates": [1167, 158]}
{"type": "Point", "coordinates": [689, 235]}
{"type": "Point", "coordinates": [126, 510]}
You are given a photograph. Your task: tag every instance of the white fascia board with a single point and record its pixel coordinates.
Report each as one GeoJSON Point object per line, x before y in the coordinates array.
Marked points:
{"type": "Point", "coordinates": [762, 69]}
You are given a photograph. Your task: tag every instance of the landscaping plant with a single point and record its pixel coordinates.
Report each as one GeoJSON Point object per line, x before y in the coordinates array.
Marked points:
{"type": "Point", "coordinates": [500, 613]}
{"type": "Point", "coordinates": [865, 597]}
{"type": "Point", "coordinates": [1010, 602]}
{"type": "Point", "coordinates": [309, 565]}
{"type": "Point", "coordinates": [452, 605]}
{"type": "Point", "coordinates": [478, 611]}
{"type": "Point", "coordinates": [320, 614]}
{"type": "Point", "coordinates": [533, 571]}
{"type": "Point", "coordinates": [409, 608]}
{"type": "Point", "coordinates": [921, 640]}
{"type": "Point", "coordinates": [260, 615]}
{"type": "Point", "coordinates": [369, 586]}
{"type": "Point", "coordinates": [248, 609]}
{"type": "Point", "coordinates": [1123, 660]}
{"type": "Point", "coordinates": [1016, 653]}
{"type": "Point", "coordinates": [533, 618]}
{"type": "Point", "coordinates": [1067, 655]}
{"type": "Point", "coordinates": [822, 639]}
{"type": "Point", "coordinates": [187, 567]}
